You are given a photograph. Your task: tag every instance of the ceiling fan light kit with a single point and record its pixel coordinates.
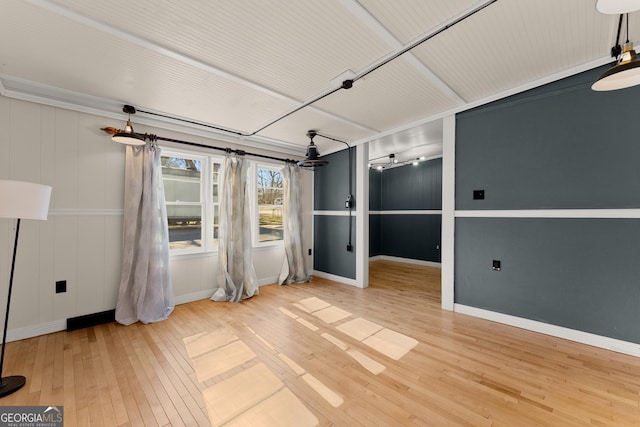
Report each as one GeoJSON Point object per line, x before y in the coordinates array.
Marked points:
{"type": "Point", "coordinates": [312, 160]}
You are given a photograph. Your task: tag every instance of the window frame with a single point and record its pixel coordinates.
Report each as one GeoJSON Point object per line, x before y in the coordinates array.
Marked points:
{"type": "Point", "coordinates": [208, 244]}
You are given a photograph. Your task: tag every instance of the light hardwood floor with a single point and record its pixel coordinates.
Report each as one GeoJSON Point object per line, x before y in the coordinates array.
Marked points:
{"type": "Point", "coordinates": [295, 353]}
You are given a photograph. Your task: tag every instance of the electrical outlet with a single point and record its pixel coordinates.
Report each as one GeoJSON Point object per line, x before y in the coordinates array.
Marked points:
{"type": "Point", "coordinates": [349, 247]}
{"type": "Point", "coordinates": [61, 286]}
{"type": "Point", "coordinates": [495, 265]}
{"type": "Point", "coordinates": [478, 194]}
{"type": "Point", "coordinates": [309, 251]}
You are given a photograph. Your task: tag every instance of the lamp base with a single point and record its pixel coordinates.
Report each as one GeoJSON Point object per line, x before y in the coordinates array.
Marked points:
{"type": "Point", "coordinates": [11, 384]}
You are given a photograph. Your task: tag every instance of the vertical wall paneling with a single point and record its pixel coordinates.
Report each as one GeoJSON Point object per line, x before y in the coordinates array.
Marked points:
{"type": "Point", "coordinates": [580, 274]}
{"type": "Point", "coordinates": [406, 223]}
{"type": "Point", "coordinates": [65, 261]}
{"type": "Point", "coordinates": [331, 221]}
{"type": "Point", "coordinates": [81, 242]}
{"type": "Point", "coordinates": [112, 259]}
{"type": "Point", "coordinates": [554, 148]}
{"type": "Point", "coordinates": [67, 160]}
{"type": "Point", "coordinates": [90, 281]}
{"type": "Point", "coordinates": [374, 217]}
{"type": "Point", "coordinates": [329, 242]}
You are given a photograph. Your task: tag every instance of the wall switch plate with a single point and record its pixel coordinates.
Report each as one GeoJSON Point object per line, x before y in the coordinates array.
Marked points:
{"type": "Point", "coordinates": [495, 265]}
{"type": "Point", "coordinates": [61, 286]}
{"type": "Point", "coordinates": [478, 194]}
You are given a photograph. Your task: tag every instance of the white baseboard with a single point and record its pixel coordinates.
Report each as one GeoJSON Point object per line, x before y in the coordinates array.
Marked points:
{"type": "Point", "coordinates": [340, 279]}
{"type": "Point", "coordinates": [195, 296]}
{"type": "Point", "coordinates": [606, 343]}
{"type": "Point", "coordinates": [61, 325]}
{"type": "Point", "coordinates": [36, 330]}
{"type": "Point", "coordinates": [267, 281]}
{"type": "Point", "coordinates": [406, 260]}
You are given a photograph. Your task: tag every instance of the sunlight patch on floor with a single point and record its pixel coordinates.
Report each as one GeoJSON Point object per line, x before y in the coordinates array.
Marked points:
{"type": "Point", "coordinates": [312, 304]}
{"type": "Point", "coordinates": [391, 343]}
{"type": "Point", "coordinates": [231, 397]}
{"type": "Point", "coordinates": [359, 328]}
{"type": "Point", "coordinates": [254, 396]}
{"type": "Point", "coordinates": [207, 341]}
{"type": "Point", "coordinates": [368, 363]}
{"type": "Point", "coordinates": [331, 314]}
{"type": "Point", "coordinates": [222, 360]}
{"type": "Point", "coordinates": [282, 409]}
{"type": "Point", "coordinates": [329, 395]}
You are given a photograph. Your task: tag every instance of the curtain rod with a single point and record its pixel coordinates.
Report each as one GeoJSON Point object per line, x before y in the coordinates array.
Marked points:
{"type": "Point", "coordinates": [153, 138]}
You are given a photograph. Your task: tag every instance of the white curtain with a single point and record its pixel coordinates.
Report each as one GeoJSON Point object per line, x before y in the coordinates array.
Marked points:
{"type": "Point", "coordinates": [235, 279]}
{"type": "Point", "coordinates": [293, 267]}
{"type": "Point", "coordinates": [145, 284]}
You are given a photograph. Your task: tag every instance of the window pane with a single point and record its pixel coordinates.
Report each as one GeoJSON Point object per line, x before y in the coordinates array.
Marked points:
{"type": "Point", "coordinates": [269, 205]}
{"type": "Point", "coordinates": [185, 226]}
{"type": "Point", "coordinates": [216, 223]}
{"type": "Point", "coordinates": [181, 179]}
{"type": "Point", "coordinates": [216, 176]}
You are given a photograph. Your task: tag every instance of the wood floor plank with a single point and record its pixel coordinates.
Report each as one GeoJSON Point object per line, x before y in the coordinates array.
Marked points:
{"type": "Point", "coordinates": [462, 371]}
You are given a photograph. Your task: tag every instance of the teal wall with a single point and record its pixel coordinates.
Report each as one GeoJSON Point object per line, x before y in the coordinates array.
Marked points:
{"type": "Point", "coordinates": [559, 146]}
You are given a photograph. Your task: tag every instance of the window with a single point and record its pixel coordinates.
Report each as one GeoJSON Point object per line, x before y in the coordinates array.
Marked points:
{"type": "Point", "coordinates": [193, 202]}
{"type": "Point", "coordinates": [181, 177]}
{"type": "Point", "coordinates": [269, 194]}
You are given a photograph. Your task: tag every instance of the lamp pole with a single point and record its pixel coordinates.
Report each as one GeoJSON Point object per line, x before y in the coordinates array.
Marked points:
{"type": "Point", "coordinates": [12, 383]}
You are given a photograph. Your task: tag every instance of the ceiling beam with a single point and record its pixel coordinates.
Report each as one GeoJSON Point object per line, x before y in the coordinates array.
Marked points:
{"type": "Point", "coordinates": [364, 16]}
{"type": "Point", "coordinates": [180, 57]}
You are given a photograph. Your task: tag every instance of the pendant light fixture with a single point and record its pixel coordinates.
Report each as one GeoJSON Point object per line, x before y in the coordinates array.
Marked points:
{"type": "Point", "coordinates": [312, 160]}
{"type": "Point", "coordinates": [625, 73]}
{"type": "Point", "coordinates": [614, 7]}
{"type": "Point", "coordinates": [128, 136]}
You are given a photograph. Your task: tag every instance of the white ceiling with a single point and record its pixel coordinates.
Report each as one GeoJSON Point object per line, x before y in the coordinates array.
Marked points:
{"type": "Point", "coordinates": [240, 64]}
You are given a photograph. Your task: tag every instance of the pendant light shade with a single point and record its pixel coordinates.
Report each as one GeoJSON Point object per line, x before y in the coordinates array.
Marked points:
{"type": "Point", "coordinates": [625, 73]}
{"type": "Point", "coordinates": [128, 136]}
{"type": "Point", "coordinates": [312, 160]}
{"type": "Point", "coordinates": [615, 7]}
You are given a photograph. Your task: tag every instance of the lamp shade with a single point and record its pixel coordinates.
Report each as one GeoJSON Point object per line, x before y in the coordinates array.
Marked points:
{"type": "Point", "coordinates": [625, 74]}
{"type": "Point", "coordinates": [129, 138]}
{"type": "Point", "coordinates": [615, 7]}
{"type": "Point", "coordinates": [24, 200]}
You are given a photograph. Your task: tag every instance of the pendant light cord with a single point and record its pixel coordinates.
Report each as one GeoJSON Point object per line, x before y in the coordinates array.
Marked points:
{"type": "Point", "coordinates": [627, 28]}
{"type": "Point", "coordinates": [350, 195]}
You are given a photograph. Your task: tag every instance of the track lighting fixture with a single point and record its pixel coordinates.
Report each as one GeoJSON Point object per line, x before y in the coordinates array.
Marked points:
{"type": "Point", "coordinates": [380, 166]}
{"type": "Point", "coordinates": [625, 73]}
{"type": "Point", "coordinates": [312, 160]}
{"type": "Point", "coordinates": [128, 136]}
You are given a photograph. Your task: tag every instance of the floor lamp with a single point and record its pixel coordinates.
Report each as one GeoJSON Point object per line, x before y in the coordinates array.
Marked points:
{"type": "Point", "coordinates": [19, 200]}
